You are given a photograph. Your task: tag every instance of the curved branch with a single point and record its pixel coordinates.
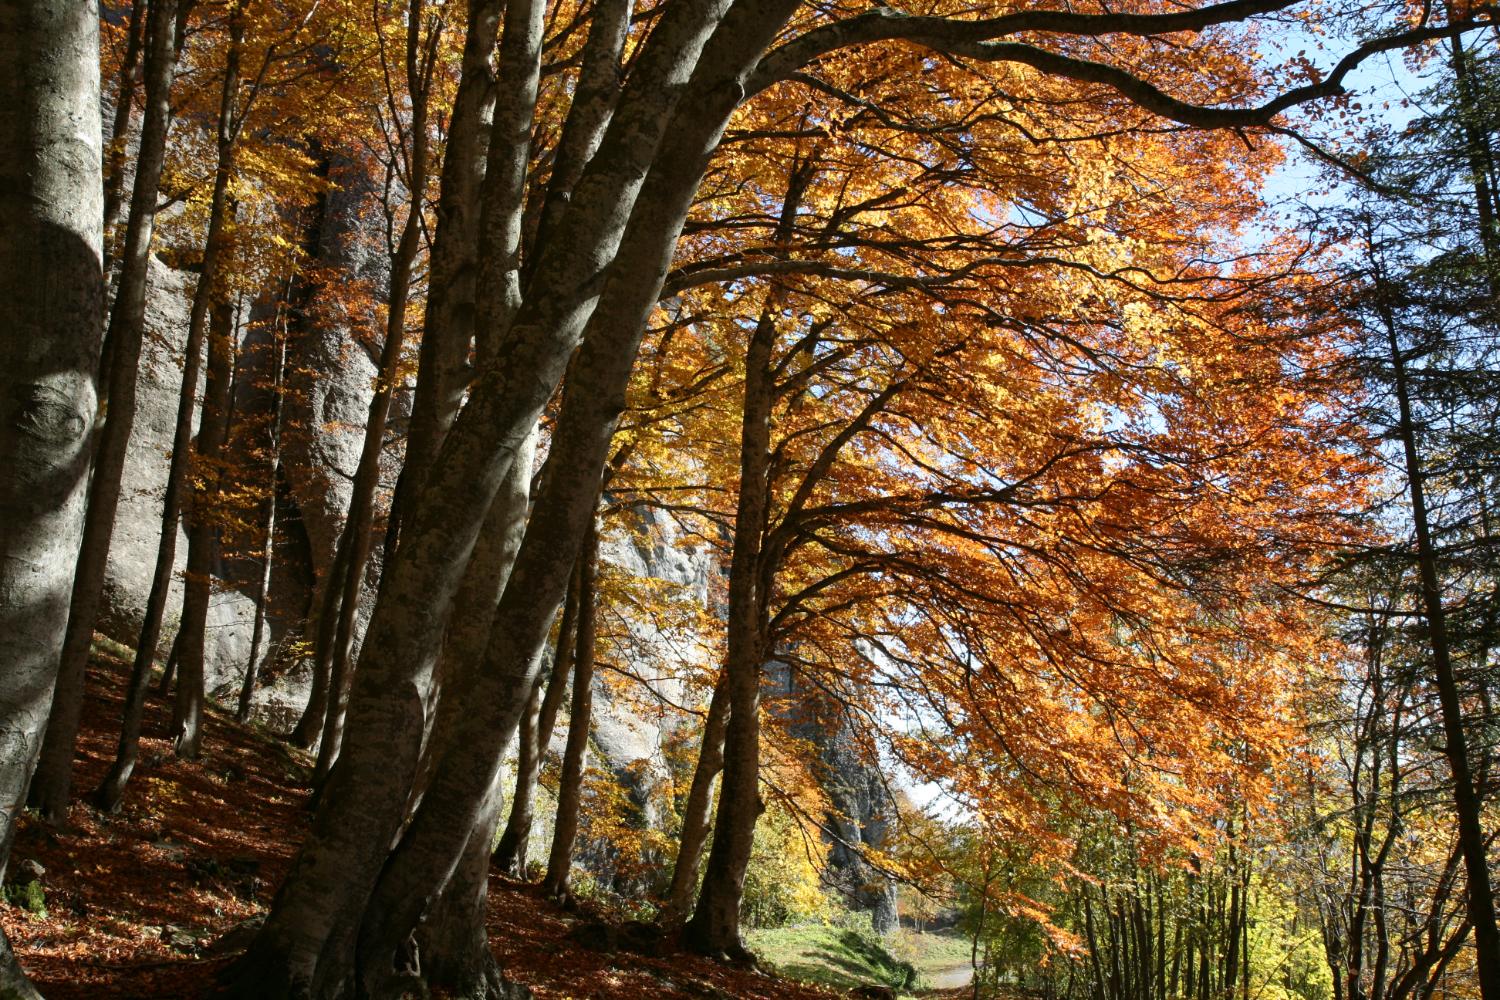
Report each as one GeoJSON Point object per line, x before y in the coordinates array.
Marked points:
{"type": "Point", "coordinates": [973, 40]}
{"type": "Point", "coordinates": [885, 24]}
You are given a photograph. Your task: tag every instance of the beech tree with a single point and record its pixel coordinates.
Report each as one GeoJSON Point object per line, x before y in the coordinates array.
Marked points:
{"type": "Point", "coordinates": [592, 284]}
{"type": "Point", "coordinates": [53, 786]}
{"type": "Point", "coordinates": [424, 34]}
{"type": "Point", "coordinates": [955, 329]}
{"type": "Point", "coordinates": [51, 209]}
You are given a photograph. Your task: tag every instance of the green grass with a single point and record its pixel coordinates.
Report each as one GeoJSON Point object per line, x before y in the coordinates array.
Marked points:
{"type": "Point", "coordinates": [845, 958]}
{"type": "Point", "coordinates": [832, 956]}
{"type": "Point", "coordinates": [931, 953]}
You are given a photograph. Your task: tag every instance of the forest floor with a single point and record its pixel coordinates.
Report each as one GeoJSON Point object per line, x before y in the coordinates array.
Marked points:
{"type": "Point", "coordinates": [152, 902]}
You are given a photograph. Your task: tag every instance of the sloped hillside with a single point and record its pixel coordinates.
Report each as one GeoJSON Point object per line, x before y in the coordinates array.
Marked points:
{"type": "Point", "coordinates": [147, 903]}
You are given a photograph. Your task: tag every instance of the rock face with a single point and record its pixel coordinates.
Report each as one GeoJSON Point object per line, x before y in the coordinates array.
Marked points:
{"type": "Point", "coordinates": [328, 387]}
{"type": "Point", "coordinates": [631, 734]}
{"type": "Point", "coordinates": [860, 801]}
{"type": "Point", "coordinates": [137, 534]}
{"type": "Point", "coordinates": [138, 524]}
{"type": "Point", "coordinates": [860, 818]}
{"type": "Point", "coordinates": [331, 364]}
{"type": "Point", "coordinates": [649, 559]}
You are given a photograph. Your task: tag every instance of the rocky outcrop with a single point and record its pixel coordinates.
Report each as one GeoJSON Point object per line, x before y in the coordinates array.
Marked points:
{"type": "Point", "coordinates": [137, 531]}
{"type": "Point", "coordinates": [331, 363]}
{"type": "Point", "coordinates": [653, 563]}
{"type": "Point", "coordinates": [860, 802]}
{"type": "Point", "coordinates": [329, 375]}
{"type": "Point", "coordinates": [674, 574]}
{"type": "Point", "coordinates": [859, 819]}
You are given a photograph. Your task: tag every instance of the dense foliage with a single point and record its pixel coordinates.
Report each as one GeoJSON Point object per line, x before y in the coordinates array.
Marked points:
{"type": "Point", "coordinates": [729, 460]}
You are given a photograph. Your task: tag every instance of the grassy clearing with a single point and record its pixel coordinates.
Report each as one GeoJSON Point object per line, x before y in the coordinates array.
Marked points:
{"type": "Point", "coordinates": [831, 956]}
{"type": "Point", "coordinates": [935, 955]}
{"type": "Point", "coordinates": [844, 958]}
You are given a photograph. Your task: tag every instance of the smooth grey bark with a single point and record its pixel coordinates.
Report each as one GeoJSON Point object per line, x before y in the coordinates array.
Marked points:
{"type": "Point", "coordinates": [495, 295]}
{"type": "Point", "coordinates": [258, 629]}
{"type": "Point", "coordinates": [420, 60]}
{"type": "Point", "coordinates": [454, 949]}
{"type": "Point", "coordinates": [316, 240]}
{"type": "Point", "coordinates": [52, 787]}
{"type": "Point", "coordinates": [448, 325]}
{"type": "Point", "coordinates": [203, 534]}
{"type": "Point", "coordinates": [510, 854]}
{"type": "Point", "coordinates": [580, 720]}
{"type": "Point", "coordinates": [51, 301]}
{"type": "Point", "coordinates": [592, 404]}
{"type": "Point", "coordinates": [715, 925]}
{"type": "Point", "coordinates": [474, 610]}
{"type": "Point", "coordinates": [117, 148]}
{"type": "Point", "coordinates": [593, 102]}
{"type": "Point", "coordinates": [327, 890]}
{"type": "Point", "coordinates": [697, 815]}
{"type": "Point", "coordinates": [535, 733]}
{"type": "Point", "coordinates": [452, 942]}
{"type": "Point", "coordinates": [518, 76]}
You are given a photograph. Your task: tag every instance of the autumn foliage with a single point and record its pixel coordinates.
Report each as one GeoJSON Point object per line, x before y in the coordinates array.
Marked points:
{"type": "Point", "coordinates": [1023, 450]}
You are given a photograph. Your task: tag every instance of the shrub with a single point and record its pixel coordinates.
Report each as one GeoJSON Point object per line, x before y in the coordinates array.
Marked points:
{"type": "Point", "coordinates": [29, 897]}
{"type": "Point", "coordinates": [783, 884]}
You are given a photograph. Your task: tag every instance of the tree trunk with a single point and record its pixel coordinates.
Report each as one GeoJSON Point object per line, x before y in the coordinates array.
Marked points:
{"type": "Point", "coordinates": [448, 325]}
{"type": "Point", "coordinates": [571, 477]}
{"type": "Point", "coordinates": [169, 668]}
{"type": "Point", "coordinates": [51, 301]}
{"type": "Point", "coordinates": [117, 145]}
{"type": "Point", "coordinates": [267, 526]}
{"type": "Point", "coordinates": [112, 789]}
{"type": "Point", "coordinates": [569, 491]}
{"type": "Point", "coordinates": [580, 722]}
{"type": "Point", "coordinates": [358, 526]}
{"type": "Point", "coordinates": [518, 76]}
{"type": "Point", "coordinates": [696, 813]}
{"type": "Point", "coordinates": [1467, 804]}
{"type": "Point", "coordinates": [594, 99]}
{"type": "Point", "coordinates": [306, 938]}
{"type": "Point", "coordinates": [203, 535]}
{"type": "Point", "coordinates": [52, 788]}
{"type": "Point", "coordinates": [536, 733]}
{"type": "Point", "coordinates": [715, 926]}
{"type": "Point", "coordinates": [1479, 151]}
{"type": "Point", "coordinates": [453, 942]}
{"type": "Point", "coordinates": [325, 624]}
